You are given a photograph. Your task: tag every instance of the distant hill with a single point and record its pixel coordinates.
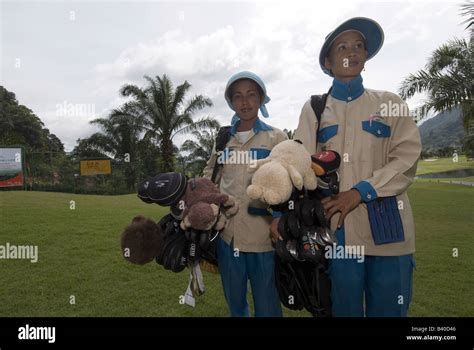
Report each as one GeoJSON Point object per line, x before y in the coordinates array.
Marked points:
{"type": "Point", "coordinates": [443, 130]}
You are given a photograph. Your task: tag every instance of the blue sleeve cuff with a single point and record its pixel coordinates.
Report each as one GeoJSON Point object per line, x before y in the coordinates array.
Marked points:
{"type": "Point", "coordinates": [367, 192]}
{"type": "Point", "coordinates": [276, 214]}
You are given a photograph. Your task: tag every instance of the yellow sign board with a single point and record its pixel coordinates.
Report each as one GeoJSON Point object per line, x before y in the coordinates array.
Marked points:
{"type": "Point", "coordinates": [95, 167]}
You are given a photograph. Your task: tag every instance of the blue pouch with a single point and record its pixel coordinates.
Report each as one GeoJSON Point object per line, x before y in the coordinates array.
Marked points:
{"type": "Point", "coordinates": [385, 221]}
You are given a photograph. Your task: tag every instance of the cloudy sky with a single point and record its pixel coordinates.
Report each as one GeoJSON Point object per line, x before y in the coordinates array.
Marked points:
{"type": "Point", "coordinates": [78, 54]}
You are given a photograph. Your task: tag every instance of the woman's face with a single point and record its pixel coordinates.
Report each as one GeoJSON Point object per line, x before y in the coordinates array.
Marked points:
{"type": "Point", "coordinates": [347, 56]}
{"type": "Point", "coordinates": [246, 99]}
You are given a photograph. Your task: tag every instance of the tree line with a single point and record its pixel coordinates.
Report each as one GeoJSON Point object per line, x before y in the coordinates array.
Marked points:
{"type": "Point", "coordinates": [138, 137]}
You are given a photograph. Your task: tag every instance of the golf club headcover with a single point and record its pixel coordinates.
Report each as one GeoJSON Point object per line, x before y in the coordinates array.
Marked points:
{"type": "Point", "coordinates": [163, 189]}
{"type": "Point", "coordinates": [175, 252]}
{"type": "Point", "coordinates": [325, 162]}
{"type": "Point", "coordinates": [142, 191]}
{"type": "Point", "coordinates": [325, 165]}
{"type": "Point", "coordinates": [169, 225]}
{"type": "Point", "coordinates": [141, 241]}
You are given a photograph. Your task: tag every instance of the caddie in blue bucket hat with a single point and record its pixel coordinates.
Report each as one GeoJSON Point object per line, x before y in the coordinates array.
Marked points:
{"type": "Point", "coordinates": [244, 249]}
{"type": "Point", "coordinates": [371, 32]}
{"type": "Point", "coordinates": [371, 215]}
{"type": "Point", "coordinates": [260, 86]}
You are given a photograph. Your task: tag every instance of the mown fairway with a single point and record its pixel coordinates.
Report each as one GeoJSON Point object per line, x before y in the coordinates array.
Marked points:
{"type": "Point", "coordinates": [80, 256]}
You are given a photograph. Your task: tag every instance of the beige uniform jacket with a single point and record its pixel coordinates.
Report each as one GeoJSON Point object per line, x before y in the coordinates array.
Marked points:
{"type": "Point", "coordinates": [379, 144]}
{"type": "Point", "coordinates": [249, 228]}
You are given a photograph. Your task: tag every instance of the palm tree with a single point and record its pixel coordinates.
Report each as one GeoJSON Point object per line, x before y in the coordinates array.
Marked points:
{"type": "Point", "coordinates": [200, 150]}
{"type": "Point", "coordinates": [165, 114]}
{"type": "Point", "coordinates": [119, 139]}
{"type": "Point", "coordinates": [448, 76]}
{"type": "Point", "coordinates": [119, 136]}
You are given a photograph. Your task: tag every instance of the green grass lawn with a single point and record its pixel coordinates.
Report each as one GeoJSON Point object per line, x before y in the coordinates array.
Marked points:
{"type": "Point", "coordinates": [444, 222]}
{"type": "Point", "coordinates": [80, 256]}
{"type": "Point", "coordinates": [443, 164]}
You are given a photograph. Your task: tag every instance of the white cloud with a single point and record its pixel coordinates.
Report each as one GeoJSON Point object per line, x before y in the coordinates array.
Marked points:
{"type": "Point", "coordinates": [67, 127]}
{"type": "Point", "coordinates": [278, 42]}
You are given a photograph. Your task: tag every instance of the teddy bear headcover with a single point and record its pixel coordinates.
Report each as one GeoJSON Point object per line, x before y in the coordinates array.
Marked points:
{"type": "Point", "coordinates": [288, 165]}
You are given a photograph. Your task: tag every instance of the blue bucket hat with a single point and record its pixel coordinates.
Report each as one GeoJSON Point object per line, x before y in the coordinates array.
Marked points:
{"type": "Point", "coordinates": [254, 77]}
{"type": "Point", "coordinates": [368, 28]}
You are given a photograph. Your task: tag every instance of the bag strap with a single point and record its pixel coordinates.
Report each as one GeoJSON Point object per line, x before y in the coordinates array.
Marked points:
{"type": "Point", "coordinates": [223, 136]}
{"type": "Point", "coordinates": [318, 103]}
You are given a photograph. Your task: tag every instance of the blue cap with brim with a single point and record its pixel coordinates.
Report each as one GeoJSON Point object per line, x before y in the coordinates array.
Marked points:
{"type": "Point", "coordinates": [370, 30]}
{"type": "Point", "coordinates": [254, 77]}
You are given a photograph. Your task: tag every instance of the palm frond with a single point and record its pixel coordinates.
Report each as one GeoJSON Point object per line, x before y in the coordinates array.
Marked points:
{"type": "Point", "coordinates": [189, 146]}
{"type": "Point", "coordinates": [130, 90]}
{"type": "Point", "coordinates": [415, 83]}
{"type": "Point", "coordinates": [203, 123]}
{"type": "Point", "coordinates": [102, 143]}
{"type": "Point", "coordinates": [467, 10]}
{"type": "Point", "coordinates": [197, 103]}
{"type": "Point", "coordinates": [164, 95]}
{"type": "Point", "coordinates": [179, 95]}
{"type": "Point", "coordinates": [448, 55]}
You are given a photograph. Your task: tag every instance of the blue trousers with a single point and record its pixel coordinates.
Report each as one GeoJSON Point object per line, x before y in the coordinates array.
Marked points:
{"type": "Point", "coordinates": [237, 269]}
{"type": "Point", "coordinates": [384, 281]}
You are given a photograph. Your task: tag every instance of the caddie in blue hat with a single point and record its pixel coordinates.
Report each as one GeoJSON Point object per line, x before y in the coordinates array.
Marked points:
{"type": "Point", "coordinates": [379, 148]}
{"type": "Point", "coordinates": [244, 249]}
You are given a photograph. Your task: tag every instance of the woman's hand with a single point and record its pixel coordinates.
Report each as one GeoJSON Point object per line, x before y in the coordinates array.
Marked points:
{"type": "Point", "coordinates": [343, 202]}
{"type": "Point", "coordinates": [274, 235]}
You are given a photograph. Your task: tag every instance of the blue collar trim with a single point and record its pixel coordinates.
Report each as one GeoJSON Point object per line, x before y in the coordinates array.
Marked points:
{"type": "Point", "coordinates": [347, 91]}
{"type": "Point", "coordinates": [257, 126]}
